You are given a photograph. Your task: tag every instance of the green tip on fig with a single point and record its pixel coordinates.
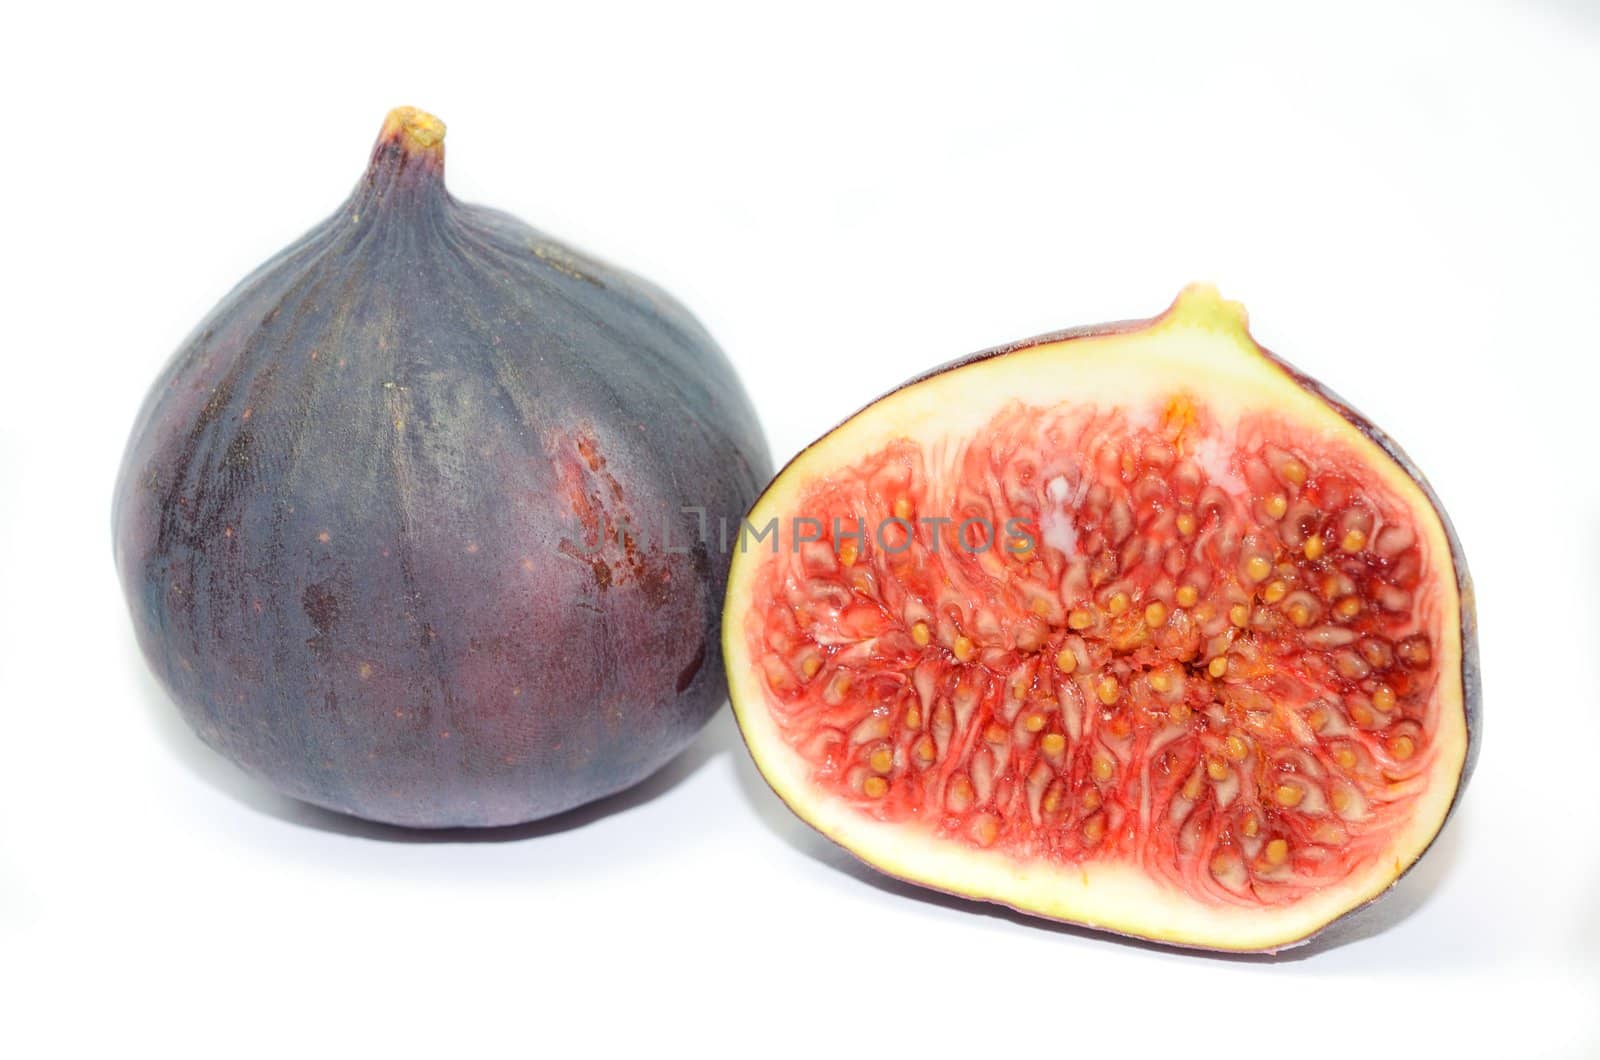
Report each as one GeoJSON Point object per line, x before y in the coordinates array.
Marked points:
{"type": "Point", "coordinates": [415, 130]}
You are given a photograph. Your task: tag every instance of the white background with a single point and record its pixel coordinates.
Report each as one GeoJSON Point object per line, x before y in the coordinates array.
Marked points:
{"type": "Point", "coordinates": [1405, 195]}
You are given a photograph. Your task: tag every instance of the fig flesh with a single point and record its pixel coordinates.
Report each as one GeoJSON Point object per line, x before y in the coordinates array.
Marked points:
{"type": "Point", "coordinates": [408, 526]}
{"type": "Point", "coordinates": [1134, 627]}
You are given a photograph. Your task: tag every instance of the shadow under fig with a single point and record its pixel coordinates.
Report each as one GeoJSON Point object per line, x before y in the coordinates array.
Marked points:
{"type": "Point", "coordinates": [719, 737]}
{"type": "Point", "coordinates": [1407, 896]}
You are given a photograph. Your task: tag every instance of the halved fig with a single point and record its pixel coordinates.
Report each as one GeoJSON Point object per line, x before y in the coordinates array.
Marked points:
{"type": "Point", "coordinates": [1133, 626]}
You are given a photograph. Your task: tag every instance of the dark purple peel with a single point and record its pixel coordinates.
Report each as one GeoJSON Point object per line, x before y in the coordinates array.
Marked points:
{"type": "Point", "coordinates": [373, 522]}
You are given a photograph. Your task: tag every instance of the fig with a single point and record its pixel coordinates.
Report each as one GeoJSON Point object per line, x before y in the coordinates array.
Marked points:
{"type": "Point", "coordinates": [1133, 626]}
{"type": "Point", "coordinates": [409, 525]}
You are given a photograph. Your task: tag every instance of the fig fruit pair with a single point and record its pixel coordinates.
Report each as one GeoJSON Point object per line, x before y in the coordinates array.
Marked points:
{"type": "Point", "coordinates": [1133, 626]}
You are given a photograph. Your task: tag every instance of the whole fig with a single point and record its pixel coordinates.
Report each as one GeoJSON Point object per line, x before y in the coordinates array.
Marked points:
{"type": "Point", "coordinates": [413, 525]}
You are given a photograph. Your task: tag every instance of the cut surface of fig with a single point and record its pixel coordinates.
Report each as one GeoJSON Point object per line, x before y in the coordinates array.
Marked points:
{"type": "Point", "coordinates": [1135, 628]}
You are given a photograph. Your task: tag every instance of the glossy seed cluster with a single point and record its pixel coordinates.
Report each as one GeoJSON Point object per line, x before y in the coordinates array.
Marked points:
{"type": "Point", "coordinates": [1204, 652]}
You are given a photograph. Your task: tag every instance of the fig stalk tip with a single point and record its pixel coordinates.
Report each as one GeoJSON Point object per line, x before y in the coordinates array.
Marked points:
{"type": "Point", "coordinates": [1202, 305]}
{"type": "Point", "coordinates": [415, 130]}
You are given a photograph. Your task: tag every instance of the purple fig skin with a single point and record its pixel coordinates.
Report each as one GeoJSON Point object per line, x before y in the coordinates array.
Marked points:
{"type": "Point", "coordinates": [409, 527]}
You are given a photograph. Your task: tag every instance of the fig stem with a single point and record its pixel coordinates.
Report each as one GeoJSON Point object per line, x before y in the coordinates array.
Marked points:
{"type": "Point", "coordinates": [416, 130]}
